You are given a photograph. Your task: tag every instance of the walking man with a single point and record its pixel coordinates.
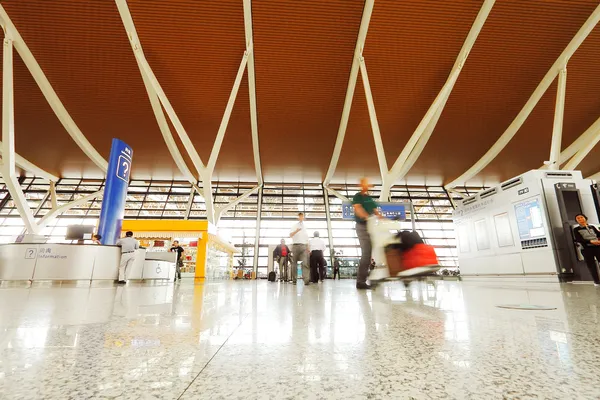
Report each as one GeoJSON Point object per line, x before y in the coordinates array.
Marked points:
{"type": "Point", "coordinates": [180, 251]}
{"type": "Point", "coordinates": [336, 269]}
{"type": "Point", "coordinates": [364, 207]}
{"type": "Point", "coordinates": [281, 254]}
{"type": "Point", "coordinates": [316, 247]}
{"type": "Point", "coordinates": [299, 250]}
{"type": "Point", "coordinates": [128, 247]}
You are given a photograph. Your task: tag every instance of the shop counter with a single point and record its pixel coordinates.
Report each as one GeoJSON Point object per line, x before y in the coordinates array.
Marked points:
{"type": "Point", "coordinates": [32, 261]}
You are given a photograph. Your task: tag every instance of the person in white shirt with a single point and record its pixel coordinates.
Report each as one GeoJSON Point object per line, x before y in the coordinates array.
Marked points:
{"type": "Point", "coordinates": [128, 247]}
{"type": "Point", "coordinates": [316, 245]}
{"type": "Point", "coordinates": [300, 250]}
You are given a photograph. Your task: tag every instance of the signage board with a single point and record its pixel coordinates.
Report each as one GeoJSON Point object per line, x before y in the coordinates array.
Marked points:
{"type": "Point", "coordinates": [388, 210]}
{"type": "Point", "coordinates": [115, 192]}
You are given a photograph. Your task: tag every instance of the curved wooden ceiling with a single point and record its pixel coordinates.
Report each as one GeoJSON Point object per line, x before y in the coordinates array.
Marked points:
{"type": "Point", "coordinates": [303, 55]}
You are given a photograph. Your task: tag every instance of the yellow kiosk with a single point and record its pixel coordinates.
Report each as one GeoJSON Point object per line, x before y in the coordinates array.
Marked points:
{"type": "Point", "coordinates": [206, 254]}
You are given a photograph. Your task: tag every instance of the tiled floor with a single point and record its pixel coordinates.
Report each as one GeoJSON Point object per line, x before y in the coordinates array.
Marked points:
{"type": "Point", "coordinates": [247, 340]}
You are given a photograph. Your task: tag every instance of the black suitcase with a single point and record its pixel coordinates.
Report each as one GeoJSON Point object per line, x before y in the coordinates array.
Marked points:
{"type": "Point", "coordinates": [272, 276]}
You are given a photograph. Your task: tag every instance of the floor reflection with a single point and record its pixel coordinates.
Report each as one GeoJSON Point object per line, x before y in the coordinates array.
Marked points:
{"type": "Point", "coordinates": [440, 339]}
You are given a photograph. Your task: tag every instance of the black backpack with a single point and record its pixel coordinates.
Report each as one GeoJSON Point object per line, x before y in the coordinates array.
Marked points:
{"type": "Point", "coordinates": [272, 276]}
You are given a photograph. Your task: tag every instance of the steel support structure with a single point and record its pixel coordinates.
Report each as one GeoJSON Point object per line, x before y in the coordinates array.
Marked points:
{"type": "Point", "coordinates": [57, 106]}
{"type": "Point", "coordinates": [329, 231]}
{"type": "Point", "coordinates": [336, 194]}
{"type": "Point", "coordinates": [583, 152]}
{"type": "Point", "coordinates": [580, 142]}
{"type": "Point", "coordinates": [25, 165]}
{"type": "Point", "coordinates": [559, 112]}
{"type": "Point", "coordinates": [360, 43]}
{"type": "Point", "coordinates": [160, 101]}
{"type": "Point", "coordinates": [257, 232]}
{"type": "Point", "coordinates": [248, 31]}
{"type": "Point", "coordinates": [8, 138]}
{"type": "Point", "coordinates": [219, 210]}
{"type": "Point", "coordinates": [535, 97]}
{"type": "Point", "coordinates": [56, 211]}
{"type": "Point", "coordinates": [415, 145]}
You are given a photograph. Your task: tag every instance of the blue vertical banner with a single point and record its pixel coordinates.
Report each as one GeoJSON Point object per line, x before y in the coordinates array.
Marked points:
{"type": "Point", "coordinates": [115, 192]}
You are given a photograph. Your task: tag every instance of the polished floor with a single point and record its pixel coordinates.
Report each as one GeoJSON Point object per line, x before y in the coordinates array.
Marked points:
{"type": "Point", "coordinates": [261, 340]}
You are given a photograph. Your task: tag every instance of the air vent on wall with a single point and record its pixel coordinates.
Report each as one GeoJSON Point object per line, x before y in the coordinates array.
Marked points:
{"type": "Point", "coordinates": [558, 175]}
{"type": "Point", "coordinates": [512, 183]}
{"type": "Point", "coordinates": [470, 200]}
{"type": "Point", "coordinates": [488, 193]}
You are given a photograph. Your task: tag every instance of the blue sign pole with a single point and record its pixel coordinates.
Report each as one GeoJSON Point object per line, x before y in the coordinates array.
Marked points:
{"type": "Point", "coordinates": [115, 192]}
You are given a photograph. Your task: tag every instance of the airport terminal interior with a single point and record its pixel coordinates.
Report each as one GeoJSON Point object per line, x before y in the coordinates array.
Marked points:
{"type": "Point", "coordinates": [278, 199]}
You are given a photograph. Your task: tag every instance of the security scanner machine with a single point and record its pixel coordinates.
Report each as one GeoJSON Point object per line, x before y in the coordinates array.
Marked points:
{"type": "Point", "coordinates": [525, 227]}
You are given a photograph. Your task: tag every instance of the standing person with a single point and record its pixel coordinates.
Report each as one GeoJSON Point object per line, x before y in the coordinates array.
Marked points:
{"type": "Point", "coordinates": [364, 207]}
{"type": "Point", "coordinates": [336, 269]}
{"type": "Point", "coordinates": [281, 254]}
{"type": "Point", "coordinates": [180, 251]}
{"type": "Point", "coordinates": [299, 250]}
{"type": "Point", "coordinates": [316, 246]}
{"type": "Point", "coordinates": [589, 237]}
{"type": "Point", "coordinates": [128, 247]}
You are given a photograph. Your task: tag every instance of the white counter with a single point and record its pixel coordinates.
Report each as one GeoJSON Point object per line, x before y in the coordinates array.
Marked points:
{"type": "Point", "coordinates": [22, 261]}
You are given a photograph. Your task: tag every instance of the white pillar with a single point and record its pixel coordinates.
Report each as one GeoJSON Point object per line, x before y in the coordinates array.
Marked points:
{"type": "Point", "coordinates": [559, 111]}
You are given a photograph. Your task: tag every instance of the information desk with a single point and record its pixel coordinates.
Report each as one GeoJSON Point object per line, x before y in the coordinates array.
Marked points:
{"type": "Point", "coordinates": [23, 261]}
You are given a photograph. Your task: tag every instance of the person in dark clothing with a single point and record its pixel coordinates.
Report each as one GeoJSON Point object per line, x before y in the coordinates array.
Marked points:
{"type": "Point", "coordinates": [589, 237]}
{"type": "Point", "coordinates": [179, 250]}
{"type": "Point", "coordinates": [364, 207]}
{"type": "Point", "coordinates": [336, 269]}
{"type": "Point", "coordinates": [281, 254]}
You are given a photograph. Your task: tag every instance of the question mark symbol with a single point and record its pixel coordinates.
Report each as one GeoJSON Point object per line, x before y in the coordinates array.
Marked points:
{"type": "Point", "coordinates": [126, 165]}
{"type": "Point", "coordinates": [30, 253]}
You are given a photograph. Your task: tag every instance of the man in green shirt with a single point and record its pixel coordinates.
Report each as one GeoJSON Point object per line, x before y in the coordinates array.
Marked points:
{"type": "Point", "coordinates": [364, 207]}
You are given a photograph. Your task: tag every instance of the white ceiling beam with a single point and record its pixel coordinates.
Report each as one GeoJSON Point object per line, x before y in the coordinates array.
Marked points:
{"type": "Point", "coordinates": [574, 162]}
{"type": "Point", "coordinates": [358, 49]}
{"type": "Point", "coordinates": [595, 177]}
{"type": "Point", "coordinates": [55, 212]}
{"type": "Point", "coordinates": [154, 100]}
{"type": "Point", "coordinates": [383, 167]}
{"type": "Point", "coordinates": [510, 132]}
{"type": "Point", "coordinates": [46, 88]}
{"type": "Point", "coordinates": [149, 75]}
{"type": "Point", "coordinates": [557, 127]}
{"type": "Point", "coordinates": [424, 130]}
{"type": "Point", "coordinates": [580, 142]}
{"type": "Point", "coordinates": [214, 154]}
{"type": "Point", "coordinates": [25, 165]}
{"type": "Point", "coordinates": [219, 210]}
{"type": "Point", "coordinates": [252, 88]}
{"type": "Point", "coordinates": [8, 138]}
{"type": "Point", "coordinates": [337, 194]}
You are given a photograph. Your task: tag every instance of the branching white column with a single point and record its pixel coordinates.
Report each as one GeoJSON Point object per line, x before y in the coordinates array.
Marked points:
{"type": "Point", "coordinates": [559, 112]}
{"type": "Point", "coordinates": [56, 211]}
{"type": "Point", "coordinates": [415, 145]}
{"type": "Point", "coordinates": [8, 139]}
{"type": "Point", "coordinates": [48, 92]}
{"type": "Point", "coordinates": [383, 167]}
{"type": "Point", "coordinates": [510, 132]}
{"type": "Point", "coordinates": [31, 167]}
{"type": "Point", "coordinates": [580, 142]}
{"type": "Point", "coordinates": [360, 43]}
{"type": "Point", "coordinates": [583, 152]}
{"type": "Point", "coordinates": [252, 88]}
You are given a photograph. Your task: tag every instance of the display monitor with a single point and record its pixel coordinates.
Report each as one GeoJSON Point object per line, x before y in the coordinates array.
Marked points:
{"type": "Point", "coordinates": [530, 220]}
{"type": "Point", "coordinates": [80, 232]}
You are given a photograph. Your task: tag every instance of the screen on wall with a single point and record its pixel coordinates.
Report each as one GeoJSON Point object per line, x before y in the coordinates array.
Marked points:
{"type": "Point", "coordinates": [529, 219]}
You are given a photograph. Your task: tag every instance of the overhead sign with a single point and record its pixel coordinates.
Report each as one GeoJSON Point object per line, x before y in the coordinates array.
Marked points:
{"type": "Point", "coordinates": [115, 192]}
{"type": "Point", "coordinates": [388, 210]}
